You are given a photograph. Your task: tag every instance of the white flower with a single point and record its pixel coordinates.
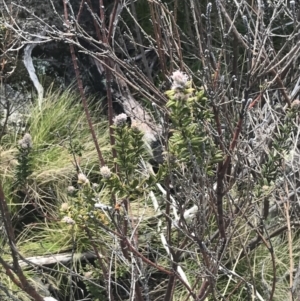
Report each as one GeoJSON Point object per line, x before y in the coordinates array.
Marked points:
{"type": "Point", "coordinates": [120, 120]}
{"type": "Point", "coordinates": [68, 220]}
{"type": "Point", "coordinates": [71, 189]}
{"type": "Point", "coordinates": [180, 80]}
{"type": "Point", "coordinates": [26, 141]}
{"type": "Point", "coordinates": [64, 206]}
{"type": "Point", "coordinates": [95, 185]}
{"type": "Point", "coordinates": [82, 179]}
{"type": "Point", "coordinates": [105, 172]}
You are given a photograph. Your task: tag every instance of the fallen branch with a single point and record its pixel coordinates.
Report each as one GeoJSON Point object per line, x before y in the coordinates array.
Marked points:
{"type": "Point", "coordinates": [62, 258]}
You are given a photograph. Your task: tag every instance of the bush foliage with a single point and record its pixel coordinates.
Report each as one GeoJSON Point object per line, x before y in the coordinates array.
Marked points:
{"type": "Point", "coordinates": [191, 193]}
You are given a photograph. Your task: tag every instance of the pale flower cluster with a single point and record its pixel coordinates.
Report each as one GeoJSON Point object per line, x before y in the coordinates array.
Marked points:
{"type": "Point", "coordinates": [64, 206]}
{"type": "Point", "coordinates": [105, 172]}
{"type": "Point", "coordinates": [71, 189]}
{"type": "Point", "coordinates": [82, 179]}
{"type": "Point", "coordinates": [68, 220]}
{"type": "Point", "coordinates": [26, 141]}
{"type": "Point", "coordinates": [120, 120]}
{"type": "Point", "coordinates": [180, 80]}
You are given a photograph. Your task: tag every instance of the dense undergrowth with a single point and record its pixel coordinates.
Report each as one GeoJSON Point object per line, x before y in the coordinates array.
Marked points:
{"type": "Point", "coordinates": [60, 202]}
{"type": "Point", "coordinates": [36, 177]}
{"type": "Point", "coordinates": [191, 193]}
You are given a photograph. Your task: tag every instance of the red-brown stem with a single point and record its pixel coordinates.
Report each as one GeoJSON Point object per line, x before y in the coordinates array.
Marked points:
{"type": "Point", "coordinates": [170, 288]}
{"type": "Point", "coordinates": [158, 37]}
{"type": "Point", "coordinates": [203, 290]}
{"type": "Point", "coordinates": [175, 10]}
{"type": "Point", "coordinates": [146, 260]}
{"type": "Point", "coordinates": [108, 74]}
{"type": "Point", "coordinates": [23, 282]}
{"type": "Point", "coordinates": [219, 128]}
{"type": "Point", "coordinates": [133, 250]}
{"type": "Point", "coordinates": [236, 136]}
{"type": "Point", "coordinates": [102, 18]}
{"type": "Point", "coordinates": [192, 288]}
{"type": "Point", "coordinates": [101, 263]}
{"type": "Point", "coordinates": [81, 91]}
{"type": "Point", "coordinates": [222, 167]}
{"type": "Point", "coordinates": [80, 10]}
{"type": "Point", "coordinates": [215, 109]}
{"type": "Point", "coordinates": [94, 21]}
{"type": "Point", "coordinates": [110, 109]}
{"type": "Point", "coordinates": [125, 229]}
{"type": "Point", "coordinates": [111, 21]}
{"type": "Point", "coordinates": [255, 101]}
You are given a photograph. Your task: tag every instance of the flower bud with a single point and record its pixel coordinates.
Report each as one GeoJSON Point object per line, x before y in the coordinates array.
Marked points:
{"type": "Point", "coordinates": [82, 179]}
{"type": "Point", "coordinates": [179, 80]}
{"type": "Point", "coordinates": [68, 220]}
{"type": "Point", "coordinates": [105, 172]}
{"type": "Point", "coordinates": [26, 141]}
